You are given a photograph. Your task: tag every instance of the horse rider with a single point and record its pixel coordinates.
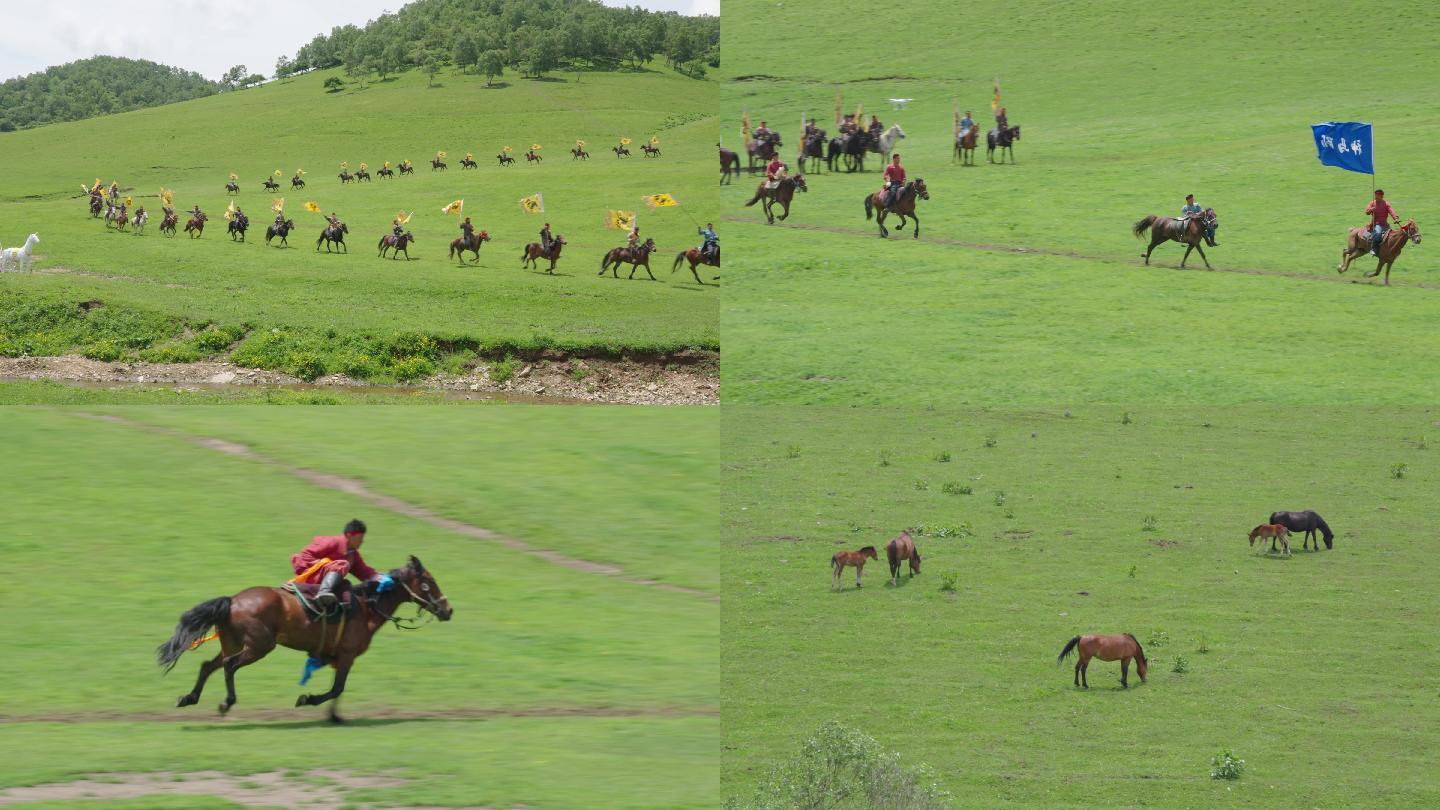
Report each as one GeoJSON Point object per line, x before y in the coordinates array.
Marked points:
{"type": "Point", "coordinates": [334, 220]}
{"type": "Point", "coordinates": [894, 181]}
{"type": "Point", "coordinates": [775, 171]}
{"type": "Point", "coordinates": [763, 133]}
{"type": "Point", "coordinates": [545, 239]}
{"type": "Point", "coordinates": [634, 239]}
{"type": "Point", "coordinates": [114, 189]}
{"type": "Point", "coordinates": [196, 213]}
{"type": "Point", "coordinates": [811, 131]}
{"type": "Point", "coordinates": [848, 125]}
{"type": "Point", "coordinates": [711, 245]}
{"type": "Point", "coordinates": [1002, 120]}
{"type": "Point", "coordinates": [241, 218]}
{"type": "Point", "coordinates": [344, 558]}
{"type": "Point", "coordinates": [966, 124]}
{"type": "Point", "coordinates": [876, 128]}
{"type": "Point", "coordinates": [1191, 209]}
{"type": "Point", "coordinates": [397, 228]}
{"type": "Point", "coordinates": [1381, 212]}
{"type": "Point", "coordinates": [279, 220]}
{"type": "Point", "coordinates": [469, 230]}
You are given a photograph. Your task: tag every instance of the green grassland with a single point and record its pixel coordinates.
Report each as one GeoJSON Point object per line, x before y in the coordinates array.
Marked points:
{"type": "Point", "coordinates": [1026, 283]}
{"type": "Point", "coordinates": [1313, 669]}
{"type": "Point", "coordinates": [166, 524]}
{"type": "Point", "coordinates": [359, 314]}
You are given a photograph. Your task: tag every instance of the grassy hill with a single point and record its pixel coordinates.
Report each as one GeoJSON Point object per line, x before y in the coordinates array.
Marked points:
{"type": "Point", "coordinates": [346, 312]}
{"type": "Point", "coordinates": [551, 685]}
{"type": "Point", "coordinates": [1026, 283]}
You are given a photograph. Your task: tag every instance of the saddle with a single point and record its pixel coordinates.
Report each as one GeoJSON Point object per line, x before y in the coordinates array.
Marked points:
{"type": "Point", "coordinates": [346, 600]}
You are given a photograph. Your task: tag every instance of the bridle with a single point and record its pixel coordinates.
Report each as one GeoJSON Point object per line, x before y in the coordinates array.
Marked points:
{"type": "Point", "coordinates": [423, 605]}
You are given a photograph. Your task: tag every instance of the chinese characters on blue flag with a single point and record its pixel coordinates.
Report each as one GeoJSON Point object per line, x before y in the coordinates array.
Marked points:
{"type": "Point", "coordinates": [1345, 144]}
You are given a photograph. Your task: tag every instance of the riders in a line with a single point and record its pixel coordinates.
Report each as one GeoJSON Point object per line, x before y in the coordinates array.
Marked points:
{"type": "Point", "coordinates": [344, 558]}
{"type": "Point", "coordinates": [876, 128]}
{"type": "Point", "coordinates": [1191, 209]}
{"type": "Point", "coordinates": [711, 245]}
{"type": "Point", "coordinates": [545, 238]}
{"type": "Point", "coordinates": [966, 124]}
{"type": "Point", "coordinates": [1381, 212]}
{"type": "Point", "coordinates": [775, 171]}
{"type": "Point", "coordinates": [894, 181]}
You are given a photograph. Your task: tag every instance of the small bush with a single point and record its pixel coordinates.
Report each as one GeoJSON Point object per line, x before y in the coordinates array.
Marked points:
{"type": "Point", "coordinates": [956, 488]}
{"type": "Point", "coordinates": [1150, 524]}
{"type": "Point", "coordinates": [305, 365]}
{"type": "Point", "coordinates": [1181, 665]}
{"type": "Point", "coordinates": [333, 84]}
{"type": "Point", "coordinates": [948, 581]}
{"type": "Point", "coordinates": [884, 458]}
{"type": "Point", "coordinates": [103, 350]}
{"type": "Point", "coordinates": [793, 451]}
{"type": "Point", "coordinates": [1158, 639]}
{"type": "Point", "coordinates": [1000, 498]}
{"type": "Point", "coordinates": [921, 484]}
{"type": "Point", "coordinates": [579, 373]}
{"type": "Point", "coordinates": [411, 368]}
{"type": "Point", "coordinates": [991, 441]}
{"type": "Point", "coordinates": [1204, 646]}
{"type": "Point", "coordinates": [502, 370]}
{"type": "Point", "coordinates": [961, 531]}
{"type": "Point", "coordinates": [1398, 470]}
{"type": "Point", "coordinates": [1224, 765]}
{"type": "Point", "coordinates": [943, 456]}
{"type": "Point", "coordinates": [1125, 418]}
{"type": "Point", "coordinates": [1133, 569]}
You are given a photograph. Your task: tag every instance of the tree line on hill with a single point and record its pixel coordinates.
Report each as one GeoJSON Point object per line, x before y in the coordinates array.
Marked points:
{"type": "Point", "coordinates": [96, 86]}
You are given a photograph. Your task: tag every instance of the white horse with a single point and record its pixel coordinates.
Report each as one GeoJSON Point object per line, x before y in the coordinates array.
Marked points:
{"type": "Point", "coordinates": [138, 221]}
{"type": "Point", "coordinates": [19, 258]}
{"type": "Point", "coordinates": [888, 139]}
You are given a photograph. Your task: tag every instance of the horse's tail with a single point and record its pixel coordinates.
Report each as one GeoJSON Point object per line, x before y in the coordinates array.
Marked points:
{"type": "Point", "coordinates": [869, 207]}
{"type": "Point", "coordinates": [1069, 648]}
{"type": "Point", "coordinates": [759, 192]}
{"type": "Point", "coordinates": [193, 624]}
{"type": "Point", "coordinates": [679, 257]}
{"type": "Point", "coordinates": [1143, 225]}
{"type": "Point", "coordinates": [1325, 530]}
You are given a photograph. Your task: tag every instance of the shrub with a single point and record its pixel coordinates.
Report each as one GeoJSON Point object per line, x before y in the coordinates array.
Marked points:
{"type": "Point", "coordinates": [921, 484]}
{"type": "Point", "coordinates": [1181, 665]}
{"type": "Point", "coordinates": [333, 84]}
{"type": "Point", "coordinates": [948, 581]}
{"type": "Point", "coordinates": [502, 370]}
{"type": "Point", "coordinates": [956, 488]}
{"type": "Point", "coordinates": [1000, 498]}
{"type": "Point", "coordinates": [793, 451]}
{"type": "Point", "coordinates": [884, 458]}
{"type": "Point", "coordinates": [991, 441]}
{"type": "Point", "coordinates": [961, 531]}
{"type": "Point", "coordinates": [1398, 470]}
{"type": "Point", "coordinates": [1125, 418]}
{"type": "Point", "coordinates": [411, 368]}
{"type": "Point", "coordinates": [1149, 524]}
{"type": "Point", "coordinates": [305, 365]}
{"type": "Point", "coordinates": [104, 350]}
{"type": "Point", "coordinates": [943, 456]}
{"type": "Point", "coordinates": [1224, 765]}
{"type": "Point", "coordinates": [217, 339]}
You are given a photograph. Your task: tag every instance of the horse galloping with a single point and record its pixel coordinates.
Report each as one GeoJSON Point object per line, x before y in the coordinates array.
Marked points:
{"type": "Point", "coordinates": [505, 160]}
{"type": "Point", "coordinates": [400, 244]}
{"type": "Point", "coordinates": [782, 195]}
{"type": "Point", "coordinates": [1391, 244]}
{"type": "Point", "coordinates": [728, 159]}
{"type": "Point", "coordinates": [650, 151]}
{"type": "Point", "coordinates": [137, 222]}
{"type": "Point", "coordinates": [1189, 231]}
{"type": "Point", "coordinates": [195, 226]}
{"type": "Point", "coordinates": [576, 153]}
{"type": "Point", "coordinates": [636, 257]}
{"type": "Point", "coordinates": [903, 206]}
{"type": "Point", "coordinates": [283, 231]}
{"type": "Point", "coordinates": [271, 185]}
{"type": "Point", "coordinates": [459, 246]}
{"type": "Point", "coordinates": [168, 223]}
{"type": "Point", "coordinates": [534, 252]}
{"type": "Point", "coordinates": [435, 164]}
{"type": "Point", "coordinates": [232, 187]}
{"type": "Point", "coordinates": [696, 258]}
{"type": "Point", "coordinates": [332, 235]}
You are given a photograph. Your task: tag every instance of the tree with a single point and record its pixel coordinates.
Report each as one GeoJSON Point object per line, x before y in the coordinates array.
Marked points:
{"type": "Point", "coordinates": [252, 80]}
{"type": "Point", "coordinates": [544, 55]}
{"type": "Point", "coordinates": [283, 67]}
{"type": "Point", "coordinates": [333, 84]}
{"type": "Point", "coordinates": [492, 64]}
{"type": "Point", "coordinates": [431, 65]}
{"type": "Point", "coordinates": [234, 76]}
{"type": "Point", "coordinates": [465, 51]}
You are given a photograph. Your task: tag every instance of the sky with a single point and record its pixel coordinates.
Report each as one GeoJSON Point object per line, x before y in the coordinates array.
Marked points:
{"type": "Point", "coordinates": [204, 36]}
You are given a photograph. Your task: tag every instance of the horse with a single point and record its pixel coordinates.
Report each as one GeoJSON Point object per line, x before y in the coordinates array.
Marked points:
{"type": "Point", "coordinates": [459, 246]}
{"type": "Point", "coordinates": [1390, 246]}
{"type": "Point", "coordinates": [782, 195]}
{"type": "Point", "coordinates": [1274, 531]}
{"type": "Point", "coordinates": [1189, 232]}
{"type": "Point", "coordinates": [297, 182]}
{"type": "Point", "coordinates": [505, 160]}
{"type": "Point", "coordinates": [138, 221]}
{"type": "Point", "coordinates": [850, 150]}
{"type": "Point", "coordinates": [112, 211]}
{"type": "Point", "coordinates": [468, 163]}
{"type": "Point", "coordinates": [271, 185]}
{"type": "Point", "coordinates": [885, 144]}
{"type": "Point", "coordinates": [238, 226]}
{"type": "Point", "coordinates": [902, 548]}
{"type": "Point", "coordinates": [407, 168]}
{"type": "Point", "coordinates": [728, 159]}
{"type": "Point", "coordinates": [579, 154]}
{"type": "Point", "coordinates": [250, 624]}
{"type": "Point", "coordinates": [332, 235]}
{"type": "Point", "coordinates": [1307, 522]}
{"type": "Point", "coordinates": [19, 257]}
{"type": "Point", "coordinates": [168, 222]}
{"type": "Point", "coordinates": [620, 151]}
{"type": "Point", "coordinates": [232, 187]}
{"type": "Point", "coordinates": [844, 558]}
{"type": "Point", "coordinates": [635, 257]}
{"type": "Point", "coordinates": [283, 232]}
{"type": "Point", "coordinates": [385, 172]}
{"type": "Point", "coordinates": [965, 147]}
{"type": "Point", "coordinates": [650, 151]}
{"type": "Point", "coordinates": [812, 149]}
{"type": "Point", "coordinates": [533, 251]}
{"type": "Point", "coordinates": [903, 206]}
{"type": "Point", "coordinates": [761, 151]}
{"type": "Point", "coordinates": [436, 163]}
{"type": "Point", "coordinates": [361, 174]}
{"type": "Point", "coordinates": [96, 203]}
{"type": "Point", "coordinates": [196, 226]}
{"type": "Point", "coordinates": [1004, 140]}
{"type": "Point", "coordinates": [531, 157]}
{"type": "Point", "coordinates": [1120, 648]}
{"type": "Point", "coordinates": [345, 176]}
{"type": "Point", "coordinates": [694, 256]}
{"type": "Point", "coordinates": [120, 218]}
{"type": "Point", "coordinates": [400, 244]}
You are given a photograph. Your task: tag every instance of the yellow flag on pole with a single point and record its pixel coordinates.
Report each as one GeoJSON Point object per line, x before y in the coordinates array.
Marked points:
{"type": "Point", "coordinates": [534, 147]}
{"type": "Point", "coordinates": [620, 220]}
{"type": "Point", "coordinates": [995, 102]}
{"type": "Point", "coordinates": [234, 176]}
{"type": "Point", "coordinates": [534, 204]}
{"type": "Point", "coordinates": [279, 173]}
{"type": "Point", "coordinates": [624, 141]}
{"type": "Point", "coordinates": [278, 205]}
{"type": "Point", "coordinates": [312, 207]}
{"type": "Point", "coordinates": [402, 218]}
{"type": "Point", "coordinates": [660, 200]}
{"type": "Point", "coordinates": [129, 200]}
{"type": "Point", "coordinates": [745, 126]}
{"type": "Point", "coordinates": [230, 211]}
{"type": "Point", "coordinates": [454, 207]}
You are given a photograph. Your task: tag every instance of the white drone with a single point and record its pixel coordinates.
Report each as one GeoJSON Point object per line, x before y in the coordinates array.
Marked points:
{"type": "Point", "coordinates": [899, 103]}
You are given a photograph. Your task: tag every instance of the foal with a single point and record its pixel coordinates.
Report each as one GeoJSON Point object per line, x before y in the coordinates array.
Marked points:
{"type": "Point", "coordinates": [844, 558]}
{"type": "Point", "coordinates": [1274, 531]}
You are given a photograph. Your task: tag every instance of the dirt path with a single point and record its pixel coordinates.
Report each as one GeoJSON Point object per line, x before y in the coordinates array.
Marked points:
{"type": "Point", "coordinates": [242, 715]}
{"type": "Point", "coordinates": [359, 489]}
{"type": "Point", "coordinates": [317, 788]}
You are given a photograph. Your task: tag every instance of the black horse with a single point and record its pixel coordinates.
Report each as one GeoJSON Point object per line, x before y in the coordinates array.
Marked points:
{"type": "Point", "coordinates": [271, 231]}
{"type": "Point", "coordinates": [1307, 522]}
{"type": "Point", "coordinates": [332, 235]}
{"type": "Point", "coordinates": [238, 226]}
{"type": "Point", "coordinates": [1001, 139]}
{"type": "Point", "coordinates": [296, 182]}
{"type": "Point", "coordinates": [812, 148]}
{"type": "Point", "coordinates": [851, 150]}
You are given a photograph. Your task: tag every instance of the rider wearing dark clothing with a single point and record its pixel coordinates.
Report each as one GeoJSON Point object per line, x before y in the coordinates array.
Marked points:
{"type": "Point", "coordinates": [545, 238]}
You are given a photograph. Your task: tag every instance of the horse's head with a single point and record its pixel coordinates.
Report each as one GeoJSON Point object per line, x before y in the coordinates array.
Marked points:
{"type": "Point", "coordinates": [869, 551]}
{"type": "Point", "coordinates": [484, 236]}
{"type": "Point", "coordinates": [914, 560]}
{"type": "Point", "coordinates": [1015, 132]}
{"type": "Point", "coordinates": [1412, 231]}
{"type": "Point", "coordinates": [895, 132]}
{"type": "Point", "coordinates": [920, 190]}
{"type": "Point", "coordinates": [649, 244]}
{"type": "Point", "coordinates": [1141, 665]}
{"type": "Point", "coordinates": [421, 588]}
{"type": "Point", "coordinates": [800, 183]}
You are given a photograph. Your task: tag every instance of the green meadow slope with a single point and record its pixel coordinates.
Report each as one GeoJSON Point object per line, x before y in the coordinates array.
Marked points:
{"type": "Point", "coordinates": [352, 312]}
{"type": "Point", "coordinates": [551, 686]}
{"type": "Point", "coordinates": [1026, 283]}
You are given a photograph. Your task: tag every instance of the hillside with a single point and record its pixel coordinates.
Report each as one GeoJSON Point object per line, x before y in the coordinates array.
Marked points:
{"type": "Point", "coordinates": [100, 85]}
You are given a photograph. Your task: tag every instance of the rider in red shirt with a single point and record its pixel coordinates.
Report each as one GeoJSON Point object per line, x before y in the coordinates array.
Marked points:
{"type": "Point", "coordinates": [773, 171]}
{"type": "Point", "coordinates": [894, 180]}
{"type": "Point", "coordinates": [1380, 213]}
{"type": "Point", "coordinates": [344, 555]}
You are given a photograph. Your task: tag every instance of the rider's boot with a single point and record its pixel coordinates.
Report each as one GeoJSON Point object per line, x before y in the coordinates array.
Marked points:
{"type": "Point", "coordinates": [325, 598]}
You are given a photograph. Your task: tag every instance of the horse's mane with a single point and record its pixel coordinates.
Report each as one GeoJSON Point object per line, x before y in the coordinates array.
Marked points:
{"type": "Point", "coordinates": [867, 548]}
{"type": "Point", "coordinates": [1137, 645]}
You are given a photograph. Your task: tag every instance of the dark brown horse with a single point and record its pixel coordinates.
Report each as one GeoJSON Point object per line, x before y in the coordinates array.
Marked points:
{"type": "Point", "coordinates": [1390, 246]}
{"type": "Point", "coordinates": [468, 162]}
{"type": "Point", "coordinates": [761, 151]}
{"type": "Point", "coordinates": [297, 182]}
{"type": "Point", "coordinates": [435, 164]}
{"type": "Point", "coordinates": [96, 204]}
{"type": "Point", "coordinates": [271, 185]}
{"type": "Point", "coordinates": [903, 207]}
{"type": "Point", "coordinates": [232, 187]}
{"type": "Point", "coordinates": [531, 157]}
{"type": "Point", "coordinates": [346, 176]}
{"type": "Point", "coordinates": [332, 235]}
{"type": "Point", "coordinates": [282, 231]}
{"type": "Point", "coordinates": [1307, 522]}
{"type": "Point", "coordinates": [1002, 139]}
{"type": "Point", "coordinates": [1189, 232]}
{"type": "Point", "coordinates": [386, 172]}
{"type": "Point", "coordinates": [459, 246]}
{"type": "Point", "coordinates": [579, 154]}
{"type": "Point", "coordinates": [534, 252]}
{"type": "Point", "coordinates": [620, 151]}
{"type": "Point", "coordinates": [782, 195]}
{"type": "Point", "coordinates": [636, 257]}
{"type": "Point", "coordinates": [727, 160]}
{"type": "Point", "coordinates": [400, 244]}
{"type": "Point", "coordinates": [505, 160]}
{"type": "Point", "coordinates": [902, 548]}
{"type": "Point", "coordinates": [168, 223]}
{"type": "Point", "coordinates": [196, 226]}
{"type": "Point", "coordinates": [1120, 648]}
{"type": "Point", "coordinates": [650, 151]}
{"type": "Point", "coordinates": [252, 622]}
{"type": "Point", "coordinates": [361, 174]}
{"type": "Point", "coordinates": [965, 147]}
{"type": "Point", "coordinates": [854, 558]}
{"type": "Point", "coordinates": [696, 259]}
{"type": "Point", "coordinates": [813, 150]}
{"type": "Point", "coordinates": [407, 167]}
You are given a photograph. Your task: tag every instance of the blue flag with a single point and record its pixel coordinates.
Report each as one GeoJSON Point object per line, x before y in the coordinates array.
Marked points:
{"type": "Point", "coordinates": [1345, 144]}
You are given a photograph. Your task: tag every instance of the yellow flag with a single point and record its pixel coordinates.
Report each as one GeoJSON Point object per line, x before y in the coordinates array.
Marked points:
{"type": "Point", "coordinates": [995, 102]}
{"type": "Point", "coordinates": [279, 173]}
{"type": "Point", "coordinates": [534, 147]}
{"type": "Point", "coordinates": [387, 164]}
{"type": "Point", "coordinates": [534, 204]}
{"type": "Point", "coordinates": [454, 207]}
{"type": "Point", "coordinates": [299, 172]}
{"type": "Point", "coordinates": [230, 211]}
{"type": "Point", "coordinates": [654, 139]}
{"type": "Point", "coordinates": [440, 154]}
{"type": "Point", "coordinates": [234, 176]}
{"type": "Point", "coordinates": [344, 164]}
{"type": "Point", "coordinates": [469, 155]}
{"type": "Point", "coordinates": [97, 183]}
{"type": "Point", "coordinates": [507, 149]}
{"type": "Point", "coordinates": [312, 208]}
{"type": "Point", "coordinates": [167, 196]}
{"type": "Point", "coordinates": [129, 201]}
{"type": "Point", "coordinates": [660, 201]}
{"type": "Point", "coordinates": [624, 141]}
{"type": "Point", "coordinates": [364, 166]}
{"type": "Point", "coordinates": [278, 205]}
{"type": "Point", "coordinates": [620, 220]}
{"type": "Point", "coordinates": [402, 218]}
{"type": "Point", "coordinates": [580, 144]}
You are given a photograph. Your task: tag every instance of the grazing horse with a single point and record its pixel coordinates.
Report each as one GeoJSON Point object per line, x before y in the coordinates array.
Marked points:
{"type": "Point", "coordinates": [533, 251]}
{"type": "Point", "coordinates": [19, 258]}
{"type": "Point", "coordinates": [283, 232]}
{"type": "Point", "coordinates": [1307, 522]}
{"type": "Point", "coordinates": [232, 187]}
{"type": "Point", "coordinates": [468, 162]}
{"type": "Point", "coordinates": [237, 226]}
{"type": "Point", "coordinates": [577, 153]}
{"type": "Point", "coordinates": [1004, 140]}
{"type": "Point", "coordinates": [196, 226]}
{"type": "Point", "coordinates": [650, 151]}
{"type": "Point", "coordinates": [782, 195]}
{"type": "Point", "coordinates": [437, 163]}
{"type": "Point", "coordinates": [1189, 232]}
{"type": "Point", "coordinates": [332, 235]}
{"type": "Point", "coordinates": [761, 151]}
{"type": "Point", "coordinates": [728, 159]}
{"type": "Point", "coordinates": [887, 141]}
{"type": "Point", "coordinates": [1120, 648]}
{"type": "Point", "coordinates": [1390, 246]}
{"type": "Point", "coordinates": [138, 221]}
{"type": "Point", "coordinates": [168, 223]}
{"type": "Point", "coordinates": [385, 172]}
{"type": "Point", "coordinates": [250, 624]}
{"type": "Point", "coordinates": [965, 146]}
{"type": "Point", "coordinates": [271, 185]}
{"type": "Point", "coordinates": [346, 176]}
{"type": "Point", "coordinates": [696, 258]}
{"type": "Point", "coordinates": [407, 168]}
{"type": "Point", "coordinates": [1274, 531]}
{"type": "Point", "coordinates": [459, 246]}
{"type": "Point", "coordinates": [361, 174]}
{"type": "Point", "coordinates": [505, 160]}
{"type": "Point", "coordinates": [399, 244]}
{"type": "Point", "coordinates": [620, 151]}
{"type": "Point", "coordinates": [297, 182]}
{"type": "Point", "coordinates": [904, 206]}
{"type": "Point", "coordinates": [636, 257]}
{"type": "Point", "coordinates": [844, 558]}
{"type": "Point", "coordinates": [902, 548]}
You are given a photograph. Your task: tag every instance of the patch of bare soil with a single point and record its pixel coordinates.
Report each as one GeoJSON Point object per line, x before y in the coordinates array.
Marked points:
{"type": "Point", "coordinates": [1163, 543]}
{"type": "Point", "coordinates": [315, 789]}
{"type": "Point", "coordinates": [74, 368]}
{"type": "Point", "coordinates": [242, 714]}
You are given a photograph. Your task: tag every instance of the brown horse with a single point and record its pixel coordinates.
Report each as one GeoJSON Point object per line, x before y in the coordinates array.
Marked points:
{"type": "Point", "coordinates": [636, 257]}
{"type": "Point", "coordinates": [1390, 246]}
{"type": "Point", "coordinates": [332, 235]}
{"type": "Point", "coordinates": [902, 548]}
{"type": "Point", "coordinates": [782, 194]}
{"type": "Point", "coordinates": [196, 226]}
{"type": "Point", "coordinates": [1274, 531]}
{"type": "Point", "coordinates": [1002, 139]}
{"type": "Point", "coordinates": [386, 172]}
{"type": "Point", "coordinates": [121, 218]}
{"type": "Point", "coordinates": [400, 244]}
{"type": "Point", "coordinates": [96, 203]}
{"type": "Point", "coordinates": [361, 174]}
{"type": "Point", "coordinates": [696, 259]}
{"type": "Point", "coordinates": [505, 160]}
{"type": "Point", "coordinates": [345, 176]}
{"type": "Point", "coordinates": [1120, 648]}
{"type": "Point", "coordinates": [297, 182]}
{"type": "Point", "coordinates": [459, 246]}
{"type": "Point", "coordinates": [579, 154]}
{"type": "Point", "coordinates": [252, 622]}
{"type": "Point", "coordinates": [762, 151]}
{"type": "Point", "coordinates": [902, 207]}
{"type": "Point", "coordinates": [435, 163]}
{"type": "Point", "coordinates": [271, 185]}
{"type": "Point", "coordinates": [620, 151]}
{"type": "Point", "coordinates": [965, 147]}
{"type": "Point", "coordinates": [533, 252]}
{"type": "Point", "coordinates": [650, 151]}
{"type": "Point", "coordinates": [531, 157]}
{"type": "Point", "coordinates": [232, 187]}
{"type": "Point", "coordinates": [468, 162]}
{"type": "Point", "coordinates": [727, 160]}
{"type": "Point", "coordinates": [167, 224]}
{"type": "Point", "coordinates": [407, 168]}
{"type": "Point", "coordinates": [844, 558]}
{"type": "Point", "coordinates": [1189, 232]}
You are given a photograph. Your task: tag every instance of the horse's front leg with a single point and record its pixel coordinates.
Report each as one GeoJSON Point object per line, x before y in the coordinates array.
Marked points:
{"type": "Point", "coordinates": [342, 671]}
{"type": "Point", "coordinates": [786, 215]}
{"type": "Point", "coordinates": [206, 669]}
{"type": "Point", "coordinates": [1201, 251]}
{"type": "Point", "coordinates": [916, 234]}
{"type": "Point", "coordinates": [1189, 247]}
{"type": "Point", "coordinates": [1124, 673]}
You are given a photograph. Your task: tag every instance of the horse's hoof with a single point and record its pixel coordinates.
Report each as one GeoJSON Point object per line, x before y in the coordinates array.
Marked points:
{"type": "Point", "coordinates": [186, 700]}
{"type": "Point", "coordinates": [303, 700]}
{"type": "Point", "coordinates": [224, 707]}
